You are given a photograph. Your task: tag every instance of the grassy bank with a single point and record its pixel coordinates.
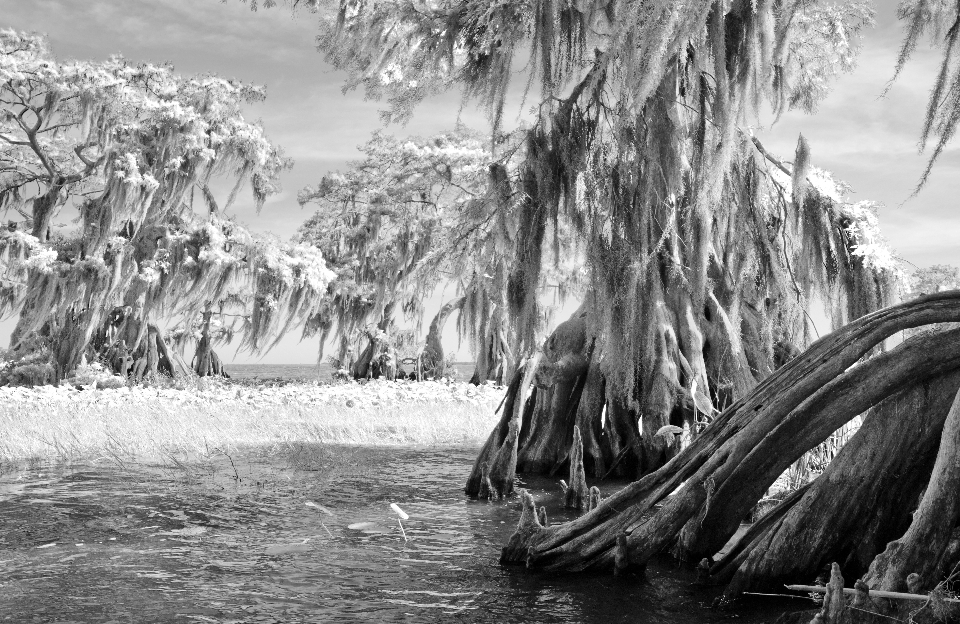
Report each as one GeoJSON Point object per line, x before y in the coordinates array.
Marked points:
{"type": "Point", "coordinates": [144, 424]}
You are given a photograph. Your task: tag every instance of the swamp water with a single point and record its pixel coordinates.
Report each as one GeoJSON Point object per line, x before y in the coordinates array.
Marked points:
{"type": "Point", "coordinates": [232, 539]}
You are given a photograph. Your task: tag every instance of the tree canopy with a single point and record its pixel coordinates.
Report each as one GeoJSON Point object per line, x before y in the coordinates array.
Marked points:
{"type": "Point", "coordinates": [415, 214]}
{"type": "Point", "coordinates": [643, 145]}
{"type": "Point", "coordinates": [129, 147]}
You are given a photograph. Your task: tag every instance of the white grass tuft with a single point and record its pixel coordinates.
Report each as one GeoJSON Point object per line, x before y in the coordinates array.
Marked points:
{"type": "Point", "coordinates": [65, 424]}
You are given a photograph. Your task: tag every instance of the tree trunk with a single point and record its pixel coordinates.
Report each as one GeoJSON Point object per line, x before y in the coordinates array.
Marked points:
{"type": "Point", "coordinates": [43, 208]}
{"type": "Point", "coordinates": [572, 391]}
{"type": "Point", "coordinates": [860, 502]}
{"type": "Point", "coordinates": [495, 359]}
{"type": "Point", "coordinates": [921, 548]}
{"type": "Point", "coordinates": [148, 365]}
{"type": "Point", "coordinates": [206, 362]}
{"type": "Point", "coordinates": [363, 367]}
{"type": "Point", "coordinates": [174, 361]}
{"type": "Point", "coordinates": [503, 440]}
{"type": "Point", "coordinates": [203, 357]}
{"type": "Point", "coordinates": [548, 435]}
{"type": "Point", "coordinates": [794, 409]}
{"type": "Point", "coordinates": [809, 424]}
{"type": "Point", "coordinates": [433, 364]}
{"type": "Point", "coordinates": [370, 362]}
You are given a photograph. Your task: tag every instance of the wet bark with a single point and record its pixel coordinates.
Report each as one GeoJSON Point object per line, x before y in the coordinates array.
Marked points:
{"type": "Point", "coordinates": [500, 449]}
{"type": "Point", "coordinates": [700, 362]}
{"type": "Point", "coordinates": [783, 403]}
{"type": "Point", "coordinates": [920, 550]}
{"type": "Point", "coordinates": [860, 502]}
{"type": "Point", "coordinates": [810, 423]}
{"type": "Point", "coordinates": [576, 495]}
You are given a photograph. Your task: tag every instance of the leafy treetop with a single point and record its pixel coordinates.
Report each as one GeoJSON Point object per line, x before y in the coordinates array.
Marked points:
{"type": "Point", "coordinates": [130, 146]}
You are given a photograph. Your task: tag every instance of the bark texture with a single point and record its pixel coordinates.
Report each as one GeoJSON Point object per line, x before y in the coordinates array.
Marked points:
{"type": "Point", "coordinates": [494, 470]}
{"type": "Point", "coordinates": [920, 550]}
{"type": "Point", "coordinates": [724, 471]}
{"type": "Point", "coordinates": [432, 362]}
{"type": "Point", "coordinates": [858, 504]}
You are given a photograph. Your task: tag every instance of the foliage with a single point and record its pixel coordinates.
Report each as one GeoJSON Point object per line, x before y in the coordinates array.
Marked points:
{"type": "Point", "coordinates": [96, 376]}
{"type": "Point", "coordinates": [28, 364]}
{"type": "Point", "coordinates": [379, 221]}
{"type": "Point", "coordinates": [264, 285]}
{"type": "Point", "coordinates": [706, 256]}
{"type": "Point", "coordinates": [413, 214]}
{"type": "Point", "coordinates": [404, 52]}
{"type": "Point", "coordinates": [129, 147]}
{"type": "Point", "coordinates": [935, 278]}
{"type": "Point", "coordinates": [942, 21]}
{"type": "Point", "coordinates": [641, 152]}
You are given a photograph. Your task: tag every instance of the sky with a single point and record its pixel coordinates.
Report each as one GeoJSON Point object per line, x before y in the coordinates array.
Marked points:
{"type": "Point", "coordinates": [866, 140]}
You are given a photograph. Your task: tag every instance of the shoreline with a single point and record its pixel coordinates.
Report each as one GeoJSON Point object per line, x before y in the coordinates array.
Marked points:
{"type": "Point", "coordinates": [63, 424]}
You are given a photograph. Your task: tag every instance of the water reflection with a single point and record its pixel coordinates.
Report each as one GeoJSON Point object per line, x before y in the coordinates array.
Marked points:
{"type": "Point", "coordinates": [231, 539]}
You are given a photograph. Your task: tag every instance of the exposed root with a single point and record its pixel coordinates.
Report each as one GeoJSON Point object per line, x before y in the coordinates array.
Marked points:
{"type": "Point", "coordinates": [576, 495]}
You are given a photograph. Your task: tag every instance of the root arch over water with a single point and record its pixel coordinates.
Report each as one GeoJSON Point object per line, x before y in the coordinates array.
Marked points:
{"type": "Point", "coordinates": [863, 500]}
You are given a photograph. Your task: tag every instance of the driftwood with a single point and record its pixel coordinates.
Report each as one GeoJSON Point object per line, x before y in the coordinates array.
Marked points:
{"type": "Point", "coordinates": [878, 593]}
{"type": "Point", "coordinates": [857, 605]}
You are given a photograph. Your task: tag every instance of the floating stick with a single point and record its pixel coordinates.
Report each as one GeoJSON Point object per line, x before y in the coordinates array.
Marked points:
{"type": "Point", "coordinates": [874, 593]}
{"type": "Point", "coordinates": [403, 515]}
{"type": "Point", "coordinates": [324, 510]}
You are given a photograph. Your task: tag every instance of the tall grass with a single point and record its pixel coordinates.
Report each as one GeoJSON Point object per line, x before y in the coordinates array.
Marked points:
{"type": "Point", "coordinates": [58, 424]}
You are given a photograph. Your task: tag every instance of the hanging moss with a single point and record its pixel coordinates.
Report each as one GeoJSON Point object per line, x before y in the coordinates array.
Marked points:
{"type": "Point", "coordinates": [138, 141]}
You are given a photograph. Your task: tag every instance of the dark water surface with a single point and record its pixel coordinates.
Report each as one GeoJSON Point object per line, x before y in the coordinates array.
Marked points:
{"type": "Point", "coordinates": [231, 539]}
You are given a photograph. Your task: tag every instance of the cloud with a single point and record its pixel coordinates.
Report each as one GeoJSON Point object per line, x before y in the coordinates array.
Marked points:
{"type": "Point", "coordinates": [183, 31]}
